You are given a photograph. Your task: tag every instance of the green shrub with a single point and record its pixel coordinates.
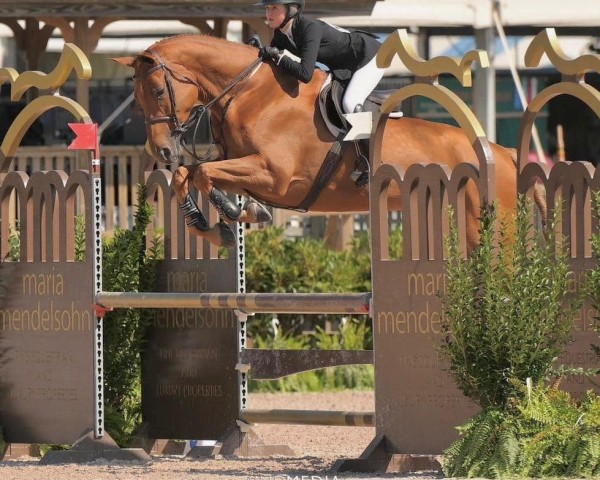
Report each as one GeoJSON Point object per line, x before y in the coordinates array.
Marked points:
{"type": "Point", "coordinates": [506, 316]}
{"type": "Point", "coordinates": [128, 266]}
{"type": "Point", "coordinates": [301, 382]}
{"type": "Point", "coordinates": [79, 238]}
{"type": "Point", "coordinates": [277, 264]}
{"type": "Point", "coordinates": [353, 335]}
{"type": "Point", "coordinates": [14, 243]}
{"type": "Point", "coordinates": [593, 279]}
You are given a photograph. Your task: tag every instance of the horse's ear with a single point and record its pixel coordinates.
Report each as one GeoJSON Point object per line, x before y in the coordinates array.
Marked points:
{"type": "Point", "coordinates": [125, 61]}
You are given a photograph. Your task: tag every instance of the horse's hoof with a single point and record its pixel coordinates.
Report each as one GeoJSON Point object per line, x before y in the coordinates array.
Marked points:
{"type": "Point", "coordinates": [227, 235]}
{"type": "Point", "coordinates": [263, 215]}
{"type": "Point", "coordinates": [258, 211]}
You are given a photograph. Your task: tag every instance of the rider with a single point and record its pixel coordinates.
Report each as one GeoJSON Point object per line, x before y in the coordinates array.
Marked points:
{"type": "Point", "coordinates": [300, 41]}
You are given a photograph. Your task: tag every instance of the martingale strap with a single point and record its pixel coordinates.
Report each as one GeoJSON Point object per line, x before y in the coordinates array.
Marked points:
{"type": "Point", "coordinates": [326, 172]}
{"type": "Point", "coordinates": [330, 165]}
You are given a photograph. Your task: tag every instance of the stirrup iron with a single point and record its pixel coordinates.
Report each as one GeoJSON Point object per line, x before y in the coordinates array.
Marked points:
{"type": "Point", "coordinates": [360, 177]}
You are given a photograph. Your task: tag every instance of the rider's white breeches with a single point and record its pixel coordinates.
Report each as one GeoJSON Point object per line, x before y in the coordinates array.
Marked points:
{"type": "Point", "coordinates": [363, 82]}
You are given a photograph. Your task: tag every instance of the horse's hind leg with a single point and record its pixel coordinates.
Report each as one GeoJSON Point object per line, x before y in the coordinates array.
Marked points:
{"type": "Point", "coordinates": [224, 205]}
{"type": "Point", "coordinates": [254, 212]}
{"type": "Point", "coordinates": [251, 212]}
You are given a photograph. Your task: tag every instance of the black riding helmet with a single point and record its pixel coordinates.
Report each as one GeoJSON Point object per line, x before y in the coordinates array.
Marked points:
{"type": "Point", "coordinates": [293, 7]}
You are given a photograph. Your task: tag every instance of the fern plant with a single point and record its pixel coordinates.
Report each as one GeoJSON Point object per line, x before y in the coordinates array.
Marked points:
{"type": "Point", "coordinates": [79, 238]}
{"type": "Point", "coordinates": [561, 437]}
{"type": "Point", "coordinates": [485, 449]}
{"type": "Point", "coordinates": [542, 433]}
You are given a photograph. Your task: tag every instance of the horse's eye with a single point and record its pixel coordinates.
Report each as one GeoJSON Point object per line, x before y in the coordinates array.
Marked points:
{"type": "Point", "coordinates": [158, 92]}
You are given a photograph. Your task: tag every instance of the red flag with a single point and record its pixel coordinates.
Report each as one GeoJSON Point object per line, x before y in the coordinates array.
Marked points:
{"type": "Point", "coordinates": [86, 137]}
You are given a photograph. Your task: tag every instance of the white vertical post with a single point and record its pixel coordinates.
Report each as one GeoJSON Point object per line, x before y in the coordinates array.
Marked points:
{"type": "Point", "coordinates": [240, 258]}
{"type": "Point", "coordinates": [97, 265]}
{"type": "Point", "coordinates": [517, 81]}
{"type": "Point", "coordinates": [484, 85]}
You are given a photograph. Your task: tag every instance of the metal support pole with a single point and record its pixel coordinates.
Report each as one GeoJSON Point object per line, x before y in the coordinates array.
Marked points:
{"type": "Point", "coordinates": [517, 81]}
{"type": "Point", "coordinates": [99, 326]}
{"type": "Point", "coordinates": [484, 86]}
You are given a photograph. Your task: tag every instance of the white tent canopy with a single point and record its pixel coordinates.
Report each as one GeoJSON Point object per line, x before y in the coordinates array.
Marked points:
{"type": "Point", "coordinates": [533, 15]}
{"type": "Point", "coordinates": [478, 14]}
{"type": "Point", "coordinates": [440, 20]}
{"type": "Point", "coordinates": [476, 18]}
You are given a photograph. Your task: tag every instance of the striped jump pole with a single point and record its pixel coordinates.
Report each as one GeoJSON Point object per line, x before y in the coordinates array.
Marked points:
{"type": "Point", "coordinates": [322, 303]}
{"type": "Point", "coordinates": [309, 417]}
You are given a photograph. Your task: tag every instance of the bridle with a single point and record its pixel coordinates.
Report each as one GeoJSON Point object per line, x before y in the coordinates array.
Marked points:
{"type": "Point", "coordinates": [197, 111]}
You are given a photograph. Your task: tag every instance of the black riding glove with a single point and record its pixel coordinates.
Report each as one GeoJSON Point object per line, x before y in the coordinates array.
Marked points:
{"type": "Point", "coordinates": [269, 52]}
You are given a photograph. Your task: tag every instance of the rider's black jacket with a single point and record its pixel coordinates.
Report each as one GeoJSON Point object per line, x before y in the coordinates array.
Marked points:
{"type": "Point", "coordinates": [341, 51]}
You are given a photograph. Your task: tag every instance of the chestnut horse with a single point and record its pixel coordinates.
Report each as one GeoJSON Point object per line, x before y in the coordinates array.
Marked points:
{"type": "Point", "coordinates": [272, 138]}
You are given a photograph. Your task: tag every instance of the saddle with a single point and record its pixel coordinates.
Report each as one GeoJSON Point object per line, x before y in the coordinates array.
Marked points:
{"type": "Point", "coordinates": [330, 105]}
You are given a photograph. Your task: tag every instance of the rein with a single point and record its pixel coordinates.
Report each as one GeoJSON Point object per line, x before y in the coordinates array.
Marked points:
{"type": "Point", "coordinates": [197, 111]}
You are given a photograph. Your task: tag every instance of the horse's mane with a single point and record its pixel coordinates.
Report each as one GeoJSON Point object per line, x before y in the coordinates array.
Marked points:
{"type": "Point", "coordinates": [199, 36]}
{"type": "Point", "coordinates": [243, 52]}
{"type": "Point", "coordinates": [180, 35]}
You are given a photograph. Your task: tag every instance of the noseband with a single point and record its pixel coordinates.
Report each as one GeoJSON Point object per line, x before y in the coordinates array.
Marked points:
{"type": "Point", "coordinates": [197, 111]}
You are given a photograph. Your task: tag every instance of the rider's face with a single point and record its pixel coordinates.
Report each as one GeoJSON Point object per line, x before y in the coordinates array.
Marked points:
{"type": "Point", "coordinates": [275, 14]}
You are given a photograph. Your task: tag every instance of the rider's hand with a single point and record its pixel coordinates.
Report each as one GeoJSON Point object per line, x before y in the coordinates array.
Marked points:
{"type": "Point", "coordinates": [269, 52]}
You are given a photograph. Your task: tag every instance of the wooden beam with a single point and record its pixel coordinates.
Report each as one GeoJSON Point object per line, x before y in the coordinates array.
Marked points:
{"type": "Point", "coordinates": [31, 39]}
{"type": "Point", "coordinates": [98, 27]}
{"type": "Point", "coordinates": [221, 27]}
{"type": "Point", "coordinates": [200, 23]}
{"type": "Point", "coordinates": [176, 9]}
{"type": "Point", "coordinates": [63, 24]}
{"type": "Point", "coordinates": [259, 27]}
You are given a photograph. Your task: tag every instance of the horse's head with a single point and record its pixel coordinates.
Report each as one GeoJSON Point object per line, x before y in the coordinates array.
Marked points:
{"type": "Point", "coordinates": [167, 92]}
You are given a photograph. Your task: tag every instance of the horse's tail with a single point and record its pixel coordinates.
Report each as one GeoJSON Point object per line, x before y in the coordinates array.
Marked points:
{"type": "Point", "coordinates": [539, 192]}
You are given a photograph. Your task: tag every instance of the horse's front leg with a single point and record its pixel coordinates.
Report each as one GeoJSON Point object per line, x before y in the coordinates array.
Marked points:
{"type": "Point", "coordinates": [240, 175]}
{"type": "Point", "coordinates": [194, 218]}
{"type": "Point", "coordinates": [220, 234]}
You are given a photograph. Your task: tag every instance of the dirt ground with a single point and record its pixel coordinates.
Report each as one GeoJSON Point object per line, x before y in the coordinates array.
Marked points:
{"type": "Point", "coordinates": [316, 449]}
